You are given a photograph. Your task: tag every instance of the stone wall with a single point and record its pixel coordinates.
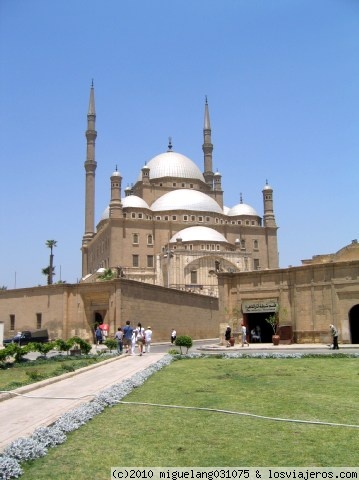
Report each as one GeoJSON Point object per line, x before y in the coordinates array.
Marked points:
{"type": "Point", "coordinates": [313, 296]}
{"type": "Point", "coordinates": [67, 310]}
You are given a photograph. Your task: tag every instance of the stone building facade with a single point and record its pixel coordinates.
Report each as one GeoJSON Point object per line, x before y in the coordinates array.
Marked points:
{"type": "Point", "coordinates": [308, 298]}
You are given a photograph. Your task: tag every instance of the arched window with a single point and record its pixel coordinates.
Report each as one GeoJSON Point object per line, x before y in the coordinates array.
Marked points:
{"type": "Point", "coordinates": [135, 238]}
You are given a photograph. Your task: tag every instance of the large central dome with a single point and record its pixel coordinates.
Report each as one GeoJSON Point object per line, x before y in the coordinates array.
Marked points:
{"type": "Point", "coordinates": [198, 233]}
{"type": "Point", "coordinates": [173, 164]}
{"type": "Point", "coordinates": [186, 199]}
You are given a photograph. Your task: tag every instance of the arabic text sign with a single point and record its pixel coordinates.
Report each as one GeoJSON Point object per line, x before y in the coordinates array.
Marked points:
{"type": "Point", "coordinates": [260, 306]}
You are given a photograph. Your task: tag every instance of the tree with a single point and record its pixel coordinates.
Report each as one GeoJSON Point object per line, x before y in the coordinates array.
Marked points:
{"type": "Point", "coordinates": [184, 341]}
{"type": "Point", "coordinates": [46, 271]}
{"type": "Point", "coordinates": [107, 275]}
{"type": "Point", "coordinates": [51, 244]}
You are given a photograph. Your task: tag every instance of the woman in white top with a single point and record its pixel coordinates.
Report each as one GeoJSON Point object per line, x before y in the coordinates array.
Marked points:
{"type": "Point", "coordinates": [140, 337]}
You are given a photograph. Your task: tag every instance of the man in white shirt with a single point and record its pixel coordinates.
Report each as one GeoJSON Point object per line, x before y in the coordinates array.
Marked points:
{"type": "Point", "coordinates": [148, 338]}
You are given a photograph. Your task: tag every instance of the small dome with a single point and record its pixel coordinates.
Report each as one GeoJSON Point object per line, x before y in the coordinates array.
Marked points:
{"type": "Point", "coordinates": [131, 201]}
{"type": "Point", "coordinates": [105, 214]}
{"type": "Point", "coordinates": [134, 201]}
{"type": "Point", "coordinates": [242, 209]}
{"type": "Point", "coordinates": [116, 173]}
{"type": "Point", "coordinates": [172, 164]}
{"type": "Point", "coordinates": [267, 187]}
{"type": "Point", "coordinates": [200, 234]}
{"type": "Point", "coordinates": [186, 199]}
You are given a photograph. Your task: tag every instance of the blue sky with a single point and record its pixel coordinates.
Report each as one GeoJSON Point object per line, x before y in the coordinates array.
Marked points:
{"type": "Point", "coordinates": [281, 78]}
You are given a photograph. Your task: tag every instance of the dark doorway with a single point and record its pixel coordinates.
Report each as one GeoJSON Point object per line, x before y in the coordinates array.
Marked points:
{"type": "Point", "coordinates": [98, 318]}
{"type": "Point", "coordinates": [354, 324]}
{"type": "Point", "coordinates": [255, 320]}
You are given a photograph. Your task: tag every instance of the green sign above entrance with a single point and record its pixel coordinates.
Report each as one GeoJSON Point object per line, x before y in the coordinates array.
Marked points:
{"type": "Point", "coordinates": [260, 306]}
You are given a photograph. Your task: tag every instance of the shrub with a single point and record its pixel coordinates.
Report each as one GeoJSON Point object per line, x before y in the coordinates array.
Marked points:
{"type": "Point", "coordinates": [184, 341]}
{"type": "Point", "coordinates": [43, 348]}
{"type": "Point", "coordinates": [13, 351]}
{"type": "Point", "coordinates": [67, 368]}
{"type": "Point", "coordinates": [111, 343]}
{"type": "Point", "coordinates": [77, 342]}
{"type": "Point", "coordinates": [34, 375]}
{"type": "Point", "coordinates": [173, 351]}
{"type": "Point", "coordinates": [62, 345]}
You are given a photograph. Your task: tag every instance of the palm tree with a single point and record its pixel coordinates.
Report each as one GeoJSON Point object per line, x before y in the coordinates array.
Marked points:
{"type": "Point", "coordinates": [51, 244]}
{"type": "Point", "coordinates": [46, 271]}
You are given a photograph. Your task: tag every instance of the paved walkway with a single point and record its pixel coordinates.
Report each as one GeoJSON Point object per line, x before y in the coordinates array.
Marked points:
{"type": "Point", "coordinates": [20, 415]}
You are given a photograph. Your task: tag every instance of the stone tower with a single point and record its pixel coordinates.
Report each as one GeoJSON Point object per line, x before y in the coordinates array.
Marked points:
{"type": "Point", "coordinates": [268, 217]}
{"type": "Point", "coordinates": [90, 168]}
{"type": "Point", "coordinates": [207, 148]}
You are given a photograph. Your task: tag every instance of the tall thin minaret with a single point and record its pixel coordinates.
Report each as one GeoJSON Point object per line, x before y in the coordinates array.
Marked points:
{"type": "Point", "coordinates": [207, 148]}
{"type": "Point", "coordinates": [90, 168]}
{"type": "Point", "coordinates": [268, 217]}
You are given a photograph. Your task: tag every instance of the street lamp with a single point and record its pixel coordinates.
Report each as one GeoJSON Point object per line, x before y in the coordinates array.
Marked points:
{"type": "Point", "coordinates": [168, 255]}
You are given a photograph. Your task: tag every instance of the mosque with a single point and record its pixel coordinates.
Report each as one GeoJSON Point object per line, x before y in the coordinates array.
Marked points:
{"type": "Point", "coordinates": [168, 251]}
{"type": "Point", "coordinates": [172, 227]}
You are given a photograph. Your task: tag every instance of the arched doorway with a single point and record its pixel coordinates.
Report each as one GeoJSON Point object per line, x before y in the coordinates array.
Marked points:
{"type": "Point", "coordinates": [354, 324]}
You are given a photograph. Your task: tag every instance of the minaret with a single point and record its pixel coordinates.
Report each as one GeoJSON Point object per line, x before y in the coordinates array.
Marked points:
{"type": "Point", "coordinates": [90, 167]}
{"type": "Point", "coordinates": [270, 228]}
{"type": "Point", "coordinates": [268, 217]}
{"type": "Point", "coordinates": [207, 148]}
{"type": "Point", "coordinates": [217, 185]}
{"type": "Point", "coordinates": [115, 203]}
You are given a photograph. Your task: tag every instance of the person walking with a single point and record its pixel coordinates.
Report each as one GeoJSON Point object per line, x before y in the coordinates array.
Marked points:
{"type": "Point", "coordinates": [148, 339]}
{"type": "Point", "coordinates": [334, 332]}
{"type": "Point", "coordinates": [173, 336]}
{"type": "Point", "coordinates": [244, 335]}
{"type": "Point", "coordinates": [98, 335]}
{"type": "Point", "coordinates": [140, 337]}
{"type": "Point", "coordinates": [227, 335]}
{"type": "Point", "coordinates": [127, 335]}
{"type": "Point", "coordinates": [119, 338]}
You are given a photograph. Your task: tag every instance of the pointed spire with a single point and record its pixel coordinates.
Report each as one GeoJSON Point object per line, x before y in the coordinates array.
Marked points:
{"type": "Point", "coordinates": [207, 122]}
{"type": "Point", "coordinates": [207, 147]}
{"type": "Point", "coordinates": [240, 198]}
{"type": "Point", "coordinates": [92, 110]}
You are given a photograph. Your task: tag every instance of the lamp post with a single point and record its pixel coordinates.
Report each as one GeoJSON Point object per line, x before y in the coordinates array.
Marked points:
{"type": "Point", "coordinates": [168, 255]}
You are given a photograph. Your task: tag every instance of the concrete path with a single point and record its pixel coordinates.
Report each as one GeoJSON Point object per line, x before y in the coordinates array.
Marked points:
{"type": "Point", "coordinates": [21, 415]}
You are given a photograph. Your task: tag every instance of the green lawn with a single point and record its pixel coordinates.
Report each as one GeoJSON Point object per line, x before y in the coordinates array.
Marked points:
{"type": "Point", "coordinates": [318, 389]}
{"type": "Point", "coordinates": [24, 373]}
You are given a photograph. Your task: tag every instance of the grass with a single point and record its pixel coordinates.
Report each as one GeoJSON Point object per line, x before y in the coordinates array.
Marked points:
{"type": "Point", "coordinates": [318, 389]}
{"type": "Point", "coordinates": [26, 372]}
